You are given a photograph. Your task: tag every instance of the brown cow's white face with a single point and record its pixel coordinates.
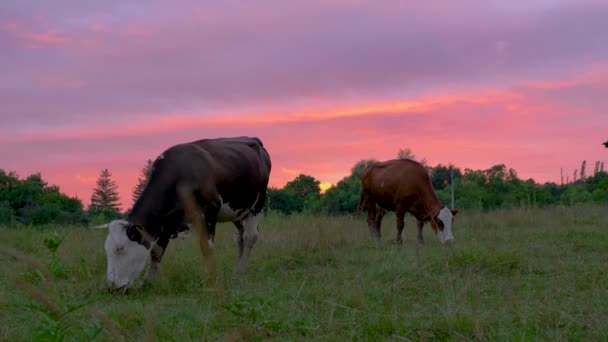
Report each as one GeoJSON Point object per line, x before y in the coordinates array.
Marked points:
{"type": "Point", "coordinates": [446, 217]}
{"type": "Point", "coordinates": [126, 258]}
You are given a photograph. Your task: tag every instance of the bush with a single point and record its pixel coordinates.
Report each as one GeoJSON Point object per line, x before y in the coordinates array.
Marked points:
{"type": "Point", "coordinates": [33, 201]}
{"type": "Point", "coordinates": [7, 214]}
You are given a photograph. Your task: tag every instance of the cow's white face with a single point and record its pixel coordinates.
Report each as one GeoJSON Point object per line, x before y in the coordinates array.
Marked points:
{"type": "Point", "coordinates": [126, 258]}
{"type": "Point", "coordinates": [446, 217]}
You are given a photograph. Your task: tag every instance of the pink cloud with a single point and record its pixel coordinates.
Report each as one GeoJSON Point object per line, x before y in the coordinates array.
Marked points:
{"type": "Point", "coordinates": [85, 179]}
{"type": "Point", "coordinates": [33, 38]}
{"type": "Point", "coordinates": [522, 127]}
{"type": "Point", "coordinates": [166, 122]}
{"type": "Point", "coordinates": [113, 83]}
{"type": "Point", "coordinates": [39, 39]}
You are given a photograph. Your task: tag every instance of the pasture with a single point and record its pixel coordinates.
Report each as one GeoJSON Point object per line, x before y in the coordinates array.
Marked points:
{"type": "Point", "coordinates": [510, 275]}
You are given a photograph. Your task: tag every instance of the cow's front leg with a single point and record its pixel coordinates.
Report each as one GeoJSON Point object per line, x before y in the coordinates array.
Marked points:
{"type": "Point", "coordinates": [246, 240]}
{"type": "Point", "coordinates": [155, 258]}
{"type": "Point", "coordinates": [211, 224]}
{"type": "Point", "coordinates": [420, 237]}
{"type": "Point", "coordinates": [239, 239]}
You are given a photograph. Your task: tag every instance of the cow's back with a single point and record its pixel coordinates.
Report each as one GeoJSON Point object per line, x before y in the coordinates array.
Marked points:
{"type": "Point", "coordinates": [240, 156]}
{"type": "Point", "coordinates": [237, 168]}
{"type": "Point", "coordinates": [221, 158]}
{"type": "Point", "coordinates": [395, 181]}
{"type": "Point", "coordinates": [241, 169]}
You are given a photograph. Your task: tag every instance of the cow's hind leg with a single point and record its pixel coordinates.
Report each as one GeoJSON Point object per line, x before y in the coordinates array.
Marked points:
{"type": "Point", "coordinates": [400, 215]}
{"type": "Point", "coordinates": [210, 221]}
{"type": "Point", "coordinates": [372, 220]}
{"type": "Point", "coordinates": [249, 237]}
{"type": "Point", "coordinates": [379, 216]}
{"type": "Point", "coordinates": [203, 224]}
{"type": "Point", "coordinates": [155, 258]}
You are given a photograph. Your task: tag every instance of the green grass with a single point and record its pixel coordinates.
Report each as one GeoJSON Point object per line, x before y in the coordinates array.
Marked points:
{"type": "Point", "coordinates": [538, 274]}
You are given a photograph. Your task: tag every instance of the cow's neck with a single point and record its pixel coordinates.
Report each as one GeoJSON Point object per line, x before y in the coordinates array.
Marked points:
{"type": "Point", "coordinates": [146, 211]}
{"type": "Point", "coordinates": [430, 204]}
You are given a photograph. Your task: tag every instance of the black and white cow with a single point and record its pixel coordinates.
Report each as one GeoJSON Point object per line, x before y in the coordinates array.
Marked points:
{"type": "Point", "coordinates": [227, 177]}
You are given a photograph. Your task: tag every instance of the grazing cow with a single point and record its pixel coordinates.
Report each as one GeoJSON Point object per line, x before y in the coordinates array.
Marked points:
{"type": "Point", "coordinates": [403, 186]}
{"type": "Point", "coordinates": [226, 177]}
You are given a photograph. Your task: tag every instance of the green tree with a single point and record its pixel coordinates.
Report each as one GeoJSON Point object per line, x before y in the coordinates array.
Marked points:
{"type": "Point", "coordinates": [583, 170]}
{"type": "Point", "coordinates": [283, 201]}
{"type": "Point", "coordinates": [548, 193]}
{"type": "Point", "coordinates": [576, 193]}
{"type": "Point", "coordinates": [105, 198]}
{"type": "Point", "coordinates": [33, 201]}
{"type": "Point", "coordinates": [344, 197]}
{"type": "Point", "coordinates": [441, 175]}
{"type": "Point", "coordinates": [7, 214]}
{"type": "Point", "coordinates": [141, 181]}
{"type": "Point", "coordinates": [301, 193]}
{"type": "Point", "coordinates": [304, 187]}
{"type": "Point", "coordinates": [406, 153]}
{"type": "Point", "coordinates": [598, 186]}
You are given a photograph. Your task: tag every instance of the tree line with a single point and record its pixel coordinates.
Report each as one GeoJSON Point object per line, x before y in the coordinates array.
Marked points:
{"type": "Point", "coordinates": [492, 188]}
{"type": "Point", "coordinates": [32, 201]}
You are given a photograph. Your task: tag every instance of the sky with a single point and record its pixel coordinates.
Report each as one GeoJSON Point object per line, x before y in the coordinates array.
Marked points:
{"type": "Point", "coordinates": [109, 84]}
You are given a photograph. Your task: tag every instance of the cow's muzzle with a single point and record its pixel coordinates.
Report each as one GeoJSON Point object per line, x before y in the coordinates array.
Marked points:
{"type": "Point", "coordinates": [116, 289]}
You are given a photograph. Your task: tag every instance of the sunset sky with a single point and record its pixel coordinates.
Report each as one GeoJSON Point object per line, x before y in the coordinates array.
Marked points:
{"type": "Point", "coordinates": [87, 85]}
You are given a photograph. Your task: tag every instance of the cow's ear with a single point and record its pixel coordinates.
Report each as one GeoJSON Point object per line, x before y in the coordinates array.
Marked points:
{"type": "Point", "coordinates": [122, 223]}
{"type": "Point", "coordinates": [454, 212]}
{"type": "Point", "coordinates": [133, 233]}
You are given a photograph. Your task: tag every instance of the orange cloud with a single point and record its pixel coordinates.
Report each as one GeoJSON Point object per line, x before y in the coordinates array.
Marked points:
{"type": "Point", "coordinates": [172, 122]}
{"type": "Point", "coordinates": [597, 72]}
{"type": "Point", "coordinates": [85, 179]}
{"type": "Point", "coordinates": [290, 171]}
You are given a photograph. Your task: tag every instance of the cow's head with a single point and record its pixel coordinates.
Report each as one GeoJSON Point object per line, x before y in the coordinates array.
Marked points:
{"type": "Point", "coordinates": [127, 249]}
{"type": "Point", "coordinates": [442, 224]}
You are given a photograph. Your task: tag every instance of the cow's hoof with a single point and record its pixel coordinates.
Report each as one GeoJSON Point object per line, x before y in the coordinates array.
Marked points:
{"type": "Point", "coordinates": [397, 242]}
{"type": "Point", "coordinates": [241, 268]}
{"type": "Point", "coordinates": [421, 242]}
{"type": "Point", "coordinates": [124, 290]}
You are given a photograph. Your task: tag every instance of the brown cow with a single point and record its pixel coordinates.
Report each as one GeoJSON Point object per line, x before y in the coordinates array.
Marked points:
{"type": "Point", "coordinates": [403, 186]}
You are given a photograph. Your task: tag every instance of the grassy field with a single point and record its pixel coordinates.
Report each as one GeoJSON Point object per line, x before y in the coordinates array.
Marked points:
{"type": "Point", "coordinates": [510, 275]}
